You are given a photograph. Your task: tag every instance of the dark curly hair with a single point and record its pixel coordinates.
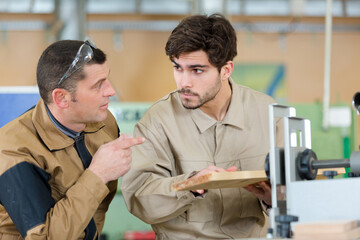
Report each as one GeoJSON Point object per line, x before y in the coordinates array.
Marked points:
{"type": "Point", "coordinates": [213, 34]}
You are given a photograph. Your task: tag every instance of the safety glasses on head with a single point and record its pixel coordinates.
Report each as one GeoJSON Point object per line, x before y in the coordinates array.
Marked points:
{"type": "Point", "coordinates": [83, 56]}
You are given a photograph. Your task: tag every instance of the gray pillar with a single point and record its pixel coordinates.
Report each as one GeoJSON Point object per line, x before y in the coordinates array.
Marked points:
{"type": "Point", "coordinates": [73, 16]}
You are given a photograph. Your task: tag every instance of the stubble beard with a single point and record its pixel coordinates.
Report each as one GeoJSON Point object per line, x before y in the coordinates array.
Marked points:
{"type": "Point", "coordinates": [207, 97]}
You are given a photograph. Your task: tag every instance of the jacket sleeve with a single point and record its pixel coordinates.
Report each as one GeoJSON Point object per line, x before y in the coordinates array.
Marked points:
{"type": "Point", "coordinates": [26, 196]}
{"type": "Point", "coordinates": [104, 206]}
{"type": "Point", "coordinates": [147, 187]}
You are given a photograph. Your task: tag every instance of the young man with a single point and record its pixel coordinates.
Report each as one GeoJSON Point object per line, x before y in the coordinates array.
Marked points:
{"type": "Point", "coordinates": [60, 161]}
{"type": "Point", "coordinates": [209, 124]}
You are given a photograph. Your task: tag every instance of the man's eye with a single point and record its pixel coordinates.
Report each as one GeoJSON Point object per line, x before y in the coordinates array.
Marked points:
{"type": "Point", "coordinates": [198, 71]}
{"type": "Point", "coordinates": [98, 85]}
{"type": "Point", "coordinates": [177, 68]}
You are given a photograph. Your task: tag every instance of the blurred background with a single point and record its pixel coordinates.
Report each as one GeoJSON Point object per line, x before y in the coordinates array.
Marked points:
{"type": "Point", "coordinates": [304, 53]}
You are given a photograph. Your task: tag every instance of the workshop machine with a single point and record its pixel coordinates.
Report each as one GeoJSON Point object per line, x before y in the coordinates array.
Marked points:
{"type": "Point", "coordinates": [296, 196]}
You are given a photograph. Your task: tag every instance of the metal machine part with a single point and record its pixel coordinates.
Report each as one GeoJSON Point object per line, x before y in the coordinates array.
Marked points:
{"type": "Point", "coordinates": [307, 164]}
{"type": "Point", "coordinates": [356, 102]}
{"type": "Point", "coordinates": [279, 156]}
{"type": "Point", "coordinates": [293, 168]}
{"type": "Point", "coordinates": [277, 173]}
{"type": "Point", "coordinates": [283, 226]}
{"type": "Point", "coordinates": [355, 162]}
{"type": "Point", "coordinates": [304, 163]}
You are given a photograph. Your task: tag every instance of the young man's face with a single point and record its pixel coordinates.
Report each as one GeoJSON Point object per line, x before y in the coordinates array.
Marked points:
{"type": "Point", "coordinates": [198, 82]}
{"type": "Point", "coordinates": [91, 99]}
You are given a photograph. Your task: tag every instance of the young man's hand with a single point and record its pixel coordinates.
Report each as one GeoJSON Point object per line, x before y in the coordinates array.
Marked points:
{"type": "Point", "coordinates": [211, 169]}
{"type": "Point", "coordinates": [261, 190]}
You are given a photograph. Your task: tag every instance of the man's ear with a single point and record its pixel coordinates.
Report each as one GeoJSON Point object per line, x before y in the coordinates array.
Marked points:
{"type": "Point", "coordinates": [60, 97]}
{"type": "Point", "coordinates": [227, 70]}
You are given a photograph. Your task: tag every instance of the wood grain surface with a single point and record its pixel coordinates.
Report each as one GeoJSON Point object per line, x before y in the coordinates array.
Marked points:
{"type": "Point", "coordinates": [221, 180]}
{"type": "Point", "coordinates": [327, 230]}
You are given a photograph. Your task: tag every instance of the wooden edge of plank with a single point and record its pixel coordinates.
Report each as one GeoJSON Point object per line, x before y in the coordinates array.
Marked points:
{"type": "Point", "coordinates": [331, 226]}
{"type": "Point", "coordinates": [191, 181]}
{"type": "Point", "coordinates": [188, 184]}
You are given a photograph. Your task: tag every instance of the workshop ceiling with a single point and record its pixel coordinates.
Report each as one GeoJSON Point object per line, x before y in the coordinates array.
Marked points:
{"type": "Point", "coordinates": [341, 8]}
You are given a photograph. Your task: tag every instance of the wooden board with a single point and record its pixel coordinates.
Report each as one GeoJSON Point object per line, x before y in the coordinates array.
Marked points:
{"type": "Point", "coordinates": [327, 230]}
{"type": "Point", "coordinates": [221, 180]}
{"type": "Point", "coordinates": [334, 226]}
{"type": "Point", "coordinates": [349, 235]}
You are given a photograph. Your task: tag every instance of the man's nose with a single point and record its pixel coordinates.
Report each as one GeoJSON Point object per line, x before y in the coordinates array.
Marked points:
{"type": "Point", "coordinates": [109, 90]}
{"type": "Point", "coordinates": [186, 80]}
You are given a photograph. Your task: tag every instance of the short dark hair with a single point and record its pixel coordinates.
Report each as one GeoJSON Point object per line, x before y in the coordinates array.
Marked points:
{"type": "Point", "coordinates": [213, 34]}
{"type": "Point", "coordinates": [55, 61]}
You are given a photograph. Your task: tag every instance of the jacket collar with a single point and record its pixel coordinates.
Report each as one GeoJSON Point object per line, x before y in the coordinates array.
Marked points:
{"type": "Point", "coordinates": [50, 134]}
{"type": "Point", "coordinates": [234, 115]}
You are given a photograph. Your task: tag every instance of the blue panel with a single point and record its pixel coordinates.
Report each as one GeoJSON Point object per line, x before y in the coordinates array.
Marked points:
{"type": "Point", "coordinates": [15, 104]}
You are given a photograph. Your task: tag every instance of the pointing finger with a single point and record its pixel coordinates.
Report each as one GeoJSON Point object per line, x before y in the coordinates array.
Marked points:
{"type": "Point", "coordinates": [124, 142]}
{"type": "Point", "coordinates": [122, 137]}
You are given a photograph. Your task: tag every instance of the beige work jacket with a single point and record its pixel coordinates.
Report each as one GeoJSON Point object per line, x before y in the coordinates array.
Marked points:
{"type": "Point", "coordinates": [180, 141]}
{"type": "Point", "coordinates": [33, 143]}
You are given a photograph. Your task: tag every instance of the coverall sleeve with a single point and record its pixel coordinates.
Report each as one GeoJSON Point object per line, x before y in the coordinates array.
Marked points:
{"type": "Point", "coordinates": [147, 187]}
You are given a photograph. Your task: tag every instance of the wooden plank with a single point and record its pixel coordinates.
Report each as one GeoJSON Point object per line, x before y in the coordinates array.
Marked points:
{"type": "Point", "coordinates": [335, 226]}
{"type": "Point", "coordinates": [221, 180]}
{"type": "Point", "coordinates": [227, 180]}
{"type": "Point", "coordinates": [349, 235]}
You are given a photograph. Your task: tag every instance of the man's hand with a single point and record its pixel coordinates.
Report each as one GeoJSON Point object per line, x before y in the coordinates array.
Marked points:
{"type": "Point", "coordinates": [113, 159]}
{"type": "Point", "coordinates": [211, 169]}
{"type": "Point", "coordinates": [261, 190]}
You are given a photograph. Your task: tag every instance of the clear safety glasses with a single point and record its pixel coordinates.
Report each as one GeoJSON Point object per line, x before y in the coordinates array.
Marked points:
{"type": "Point", "coordinates": [83, 56]}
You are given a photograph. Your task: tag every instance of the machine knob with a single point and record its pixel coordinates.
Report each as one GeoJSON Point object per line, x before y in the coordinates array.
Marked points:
{"type": "Point", "coordinates": [267, 165]}
{"type": "Point", "coordinates": [283, 228]}
{"type": "Point", "coordinates": [304, 164]}
{"type": "Point", "coordinates": [330, 174]}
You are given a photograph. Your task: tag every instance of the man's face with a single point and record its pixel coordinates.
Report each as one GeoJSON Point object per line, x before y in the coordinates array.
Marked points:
{"type": "Point", "coordinates": [198, 82]}
{"type": "Point", "coordinates": [90, 101]}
